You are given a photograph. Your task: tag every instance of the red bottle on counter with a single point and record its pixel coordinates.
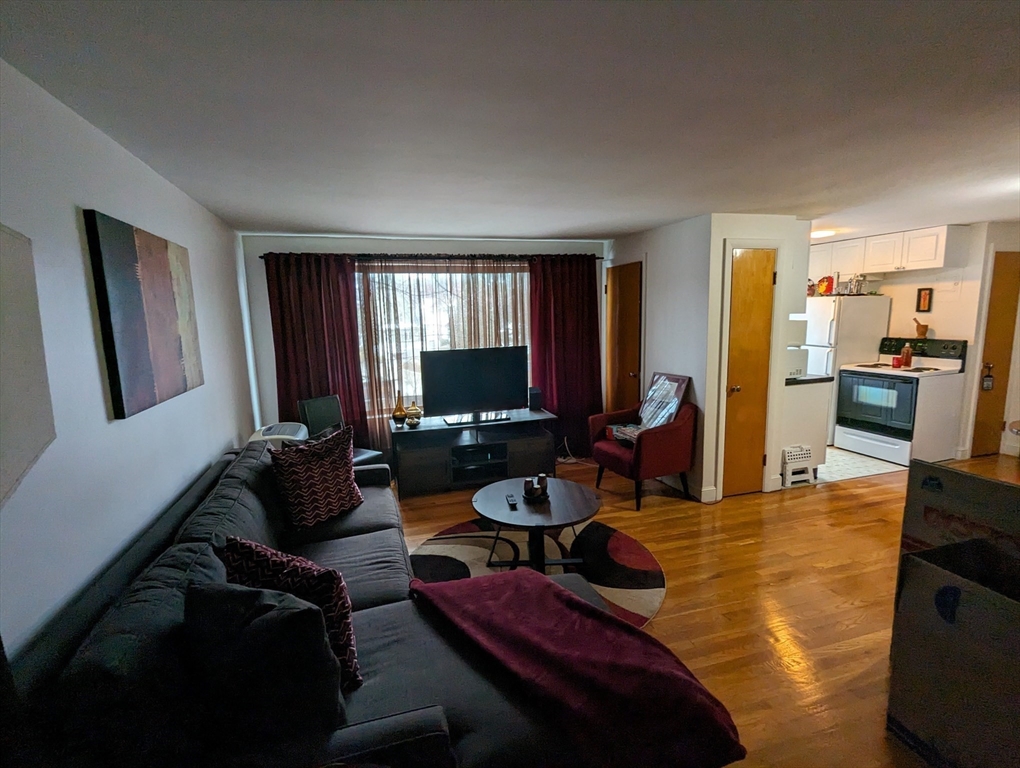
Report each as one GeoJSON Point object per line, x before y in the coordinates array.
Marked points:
{"type": "Point", "coordinates": [908, 355]}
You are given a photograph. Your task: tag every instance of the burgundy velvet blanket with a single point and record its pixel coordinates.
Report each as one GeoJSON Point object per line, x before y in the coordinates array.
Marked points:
{"type": "Point", "coordinates": [622, 696]}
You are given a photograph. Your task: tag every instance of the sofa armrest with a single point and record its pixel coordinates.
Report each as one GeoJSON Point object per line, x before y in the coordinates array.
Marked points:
{"type": "Point", "coordinates": [372, 474]}
{"type": "Point", "coordinates": [597, 424]}
{"type": "Point", "coordinates": [419, 738]}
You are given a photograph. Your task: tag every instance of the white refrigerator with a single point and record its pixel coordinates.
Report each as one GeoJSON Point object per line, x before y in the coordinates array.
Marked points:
{"type": "Point", "coordinates": [843, 330]}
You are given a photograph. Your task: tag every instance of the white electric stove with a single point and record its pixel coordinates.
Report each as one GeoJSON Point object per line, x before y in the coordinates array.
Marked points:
{"type": "Point", "coordinates": [897, 414]}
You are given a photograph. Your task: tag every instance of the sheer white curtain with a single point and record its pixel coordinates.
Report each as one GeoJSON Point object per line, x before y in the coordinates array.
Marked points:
{"type": "Point", "coordinates": [412, 304]}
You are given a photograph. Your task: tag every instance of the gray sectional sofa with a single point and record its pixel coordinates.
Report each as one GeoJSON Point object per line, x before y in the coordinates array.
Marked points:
{"type": "Point", "coordinates": [428, 697]}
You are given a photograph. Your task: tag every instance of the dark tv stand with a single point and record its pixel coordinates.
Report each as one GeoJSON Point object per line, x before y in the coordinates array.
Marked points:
{"type": "Point", "coordinates": [478, 417]}
{"type": "Point", "coordinates": [437, 456]}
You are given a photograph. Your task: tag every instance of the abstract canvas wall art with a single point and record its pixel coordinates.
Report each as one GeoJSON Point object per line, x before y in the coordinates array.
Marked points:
{"type": "Point", "coordinates": [146, 314]}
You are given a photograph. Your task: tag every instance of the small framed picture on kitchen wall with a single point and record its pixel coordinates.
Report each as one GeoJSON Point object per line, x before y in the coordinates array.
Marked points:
{"type": "Point", "coordinates": [924, 299]}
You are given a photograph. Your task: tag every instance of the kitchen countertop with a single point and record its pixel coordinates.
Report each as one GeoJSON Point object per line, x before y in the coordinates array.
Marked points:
{"type": "Point", "coordinates": [811, 378]}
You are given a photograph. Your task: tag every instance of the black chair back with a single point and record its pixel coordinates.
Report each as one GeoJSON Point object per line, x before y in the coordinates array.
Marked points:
{"type": "Point", "coordinates": [319, 413]}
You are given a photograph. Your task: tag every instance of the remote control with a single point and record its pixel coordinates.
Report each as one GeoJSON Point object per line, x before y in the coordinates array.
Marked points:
{"type": "Point", "coordinates": [511, 500]}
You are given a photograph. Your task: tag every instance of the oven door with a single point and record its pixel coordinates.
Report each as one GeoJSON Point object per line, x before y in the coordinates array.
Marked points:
{"type": "Point", "coordinates": [877, 403]}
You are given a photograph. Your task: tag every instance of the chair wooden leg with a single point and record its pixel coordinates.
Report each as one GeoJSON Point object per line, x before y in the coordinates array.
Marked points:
{"type": "Point", "coordinates": [637, 494]}
{"type": "Point", "coordinates": [683, 482]}
{"type": "Point", "coordinates": [598, 480]}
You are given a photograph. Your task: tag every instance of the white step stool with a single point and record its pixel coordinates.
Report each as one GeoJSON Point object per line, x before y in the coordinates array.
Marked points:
{"type": "Point", "coordinates": [797, 466]}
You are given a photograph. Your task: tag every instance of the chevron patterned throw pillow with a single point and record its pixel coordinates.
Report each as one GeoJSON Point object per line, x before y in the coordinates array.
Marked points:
{"type": "Point", "coordinates": [317, 478]}
{"type": "Point", "coordinates": [251, 564]}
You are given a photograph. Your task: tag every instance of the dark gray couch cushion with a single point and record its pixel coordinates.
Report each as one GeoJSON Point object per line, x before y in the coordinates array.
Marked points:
{"type": "Point", "coordinates": [125, 695]}
{"type": "Point", "coordinates": [246, 503]}
{"type": "Point", "coordinates": [375, 566]}
{"type": "Point", "coordinates": [377, 512]}
{"type": "Point", "coordinates": [264, 667]}
{"type": "Point", "coordinates": [410, 659]}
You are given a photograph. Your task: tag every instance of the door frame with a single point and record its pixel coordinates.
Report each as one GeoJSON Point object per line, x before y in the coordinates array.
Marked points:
{"type": "Point", "coordinates": [774, 407]}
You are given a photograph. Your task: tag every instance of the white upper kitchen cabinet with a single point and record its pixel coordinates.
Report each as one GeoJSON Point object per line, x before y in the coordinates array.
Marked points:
{"type": "Point", "coordinates": [820, 262]}
{"type": "Point", "coordinates": [924, 248]}
{"type": "Point", "coordinates": [848, 258]}
{"type": "Point", "coordinates": [883, 253]}
{"type": "Point", "coordinates": [929, 248]}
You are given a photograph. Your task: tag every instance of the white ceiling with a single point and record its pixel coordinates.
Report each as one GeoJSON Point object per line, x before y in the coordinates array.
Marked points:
{"type": "Point", "coordinates": [557, 119]}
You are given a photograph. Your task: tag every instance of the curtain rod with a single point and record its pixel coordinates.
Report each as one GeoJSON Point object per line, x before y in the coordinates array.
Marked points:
{"type": "Point", "coordinates": [450, 257]}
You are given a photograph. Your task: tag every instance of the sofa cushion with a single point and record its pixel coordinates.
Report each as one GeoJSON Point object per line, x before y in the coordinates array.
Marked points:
{"type": "Point", "coordinates": [246, 503]}
{"type": "Point", "coordinates": [376, 566]}
{"type": "Point", "coordinates": [125, 695]}
{"type": "Point", "coordinates": [255, 565]}
{"type": "Point", "coordinates": [263, 663]}
{"type": "Point", "coordinates": [410, 661]}
{"type": "Point", "coordinates": [378, 512]}
{"type": "Point", "coordinates": [317, 478]}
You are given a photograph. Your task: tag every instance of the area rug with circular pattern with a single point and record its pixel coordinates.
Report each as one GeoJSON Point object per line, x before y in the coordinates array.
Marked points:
{"type": "Point", "coordinates": [620, 568]}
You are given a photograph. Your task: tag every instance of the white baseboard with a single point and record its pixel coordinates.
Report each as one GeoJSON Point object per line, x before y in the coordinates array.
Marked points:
{"type": "Point", "coordinates": [709, 494]}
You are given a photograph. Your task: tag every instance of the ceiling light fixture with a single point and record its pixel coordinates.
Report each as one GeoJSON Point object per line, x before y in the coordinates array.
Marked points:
{"type": "Point", "coordinates": [818, 233]}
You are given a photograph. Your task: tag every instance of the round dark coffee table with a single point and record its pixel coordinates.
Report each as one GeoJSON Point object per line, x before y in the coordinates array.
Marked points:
{"type": "Point", "coordinates": [569, 503]}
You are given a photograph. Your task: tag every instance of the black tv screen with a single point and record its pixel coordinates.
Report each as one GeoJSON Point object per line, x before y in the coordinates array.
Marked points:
{"type": "Point", "coordinates": [459, 381]}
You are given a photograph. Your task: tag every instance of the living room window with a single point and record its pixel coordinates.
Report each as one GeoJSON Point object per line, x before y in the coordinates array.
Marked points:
{"type": "Point", "coordinates": [407, 305]}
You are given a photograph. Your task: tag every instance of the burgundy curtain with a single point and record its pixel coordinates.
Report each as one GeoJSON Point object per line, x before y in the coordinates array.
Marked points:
{"type": "Point", "coordinates": [312, 300]}
{"type": "Point", "coordinates": [565, 357]}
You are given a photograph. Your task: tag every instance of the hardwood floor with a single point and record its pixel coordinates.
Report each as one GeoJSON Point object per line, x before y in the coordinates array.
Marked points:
{"type": "Point", "coordinates": [780, 603]}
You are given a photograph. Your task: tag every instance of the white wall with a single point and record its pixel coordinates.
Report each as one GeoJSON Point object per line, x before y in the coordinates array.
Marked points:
{"type": "Point", "coordinates": [101, 481]}
{"type": "Point", "coordinates": [959, 306]}
{"type": "Point", "coordinates": [1010, 443]}
{"type": "Point", "coordinates": [256, 245]}
{"type": "Point", "coordinates": [686, 319]}
{"type": "Point", "coordinates": [955, 300]}
{"type": "Point", "coordinates": [674, 273]}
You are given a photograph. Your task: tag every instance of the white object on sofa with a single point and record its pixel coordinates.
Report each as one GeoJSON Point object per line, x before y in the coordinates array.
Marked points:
{"type": "Point", "coordinates": [277, 433]}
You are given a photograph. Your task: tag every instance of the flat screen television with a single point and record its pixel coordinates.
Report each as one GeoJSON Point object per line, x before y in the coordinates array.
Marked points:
{"type": "Point", "coordinates": [478, 383]}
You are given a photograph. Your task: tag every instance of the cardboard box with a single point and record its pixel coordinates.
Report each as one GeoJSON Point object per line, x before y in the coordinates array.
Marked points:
{"type": "Point", "coordinates": [946, 505]}
{"type": "Point", "coordinates": [954, 687]}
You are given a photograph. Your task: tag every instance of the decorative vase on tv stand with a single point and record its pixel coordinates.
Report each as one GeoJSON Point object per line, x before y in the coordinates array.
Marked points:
{"type": "Point", "coordinates": [414, 414]}
{"type": "Point", "coordinates": [399, 414]}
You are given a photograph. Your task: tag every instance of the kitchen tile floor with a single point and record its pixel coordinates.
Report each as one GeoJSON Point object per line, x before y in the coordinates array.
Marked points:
{"type": "Point", "coordinates": [843, 465]}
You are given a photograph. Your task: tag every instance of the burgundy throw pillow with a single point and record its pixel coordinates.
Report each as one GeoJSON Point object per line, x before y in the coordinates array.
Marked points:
{"type": "Point", "coordinates": [251, 564]}
{"type": "Point", "coordinates": [317, 478]}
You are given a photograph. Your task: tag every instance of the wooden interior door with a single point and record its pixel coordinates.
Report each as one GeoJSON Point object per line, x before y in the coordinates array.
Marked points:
{"type": "Point", "coordinates": [1002, 308]}
{"type": "Point", "coordinates": [623, 336]}
{"type": "Point", "coordinates": [747, 369]}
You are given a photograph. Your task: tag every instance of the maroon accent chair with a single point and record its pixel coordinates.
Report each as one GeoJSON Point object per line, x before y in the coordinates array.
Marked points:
{"type": "Point", "coordinates": [659, 451]}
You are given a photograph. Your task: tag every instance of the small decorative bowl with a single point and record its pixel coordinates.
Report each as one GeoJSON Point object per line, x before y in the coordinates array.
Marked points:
{"type": "Point", "coordinates": [413, 423]}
